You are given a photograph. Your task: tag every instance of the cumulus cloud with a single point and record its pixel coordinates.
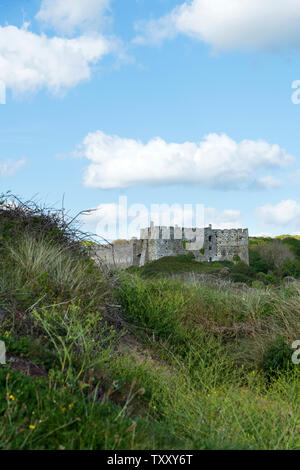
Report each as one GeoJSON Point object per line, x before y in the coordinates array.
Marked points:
{"type": "Point", "coordinates": [267, 182]}
{"type": "Point", "coordinates": [227, 218]}
{"type": "Point", "coordinates": [217, 162]}
{"type": "Point", "coordinates": [10, 167]}
{"type": "Point", "coordinates": [230, 24]}
{"type": "Point", "coordinates": [285, 212]}
{"type": "Point", "coordinates": [65, 16]}
{"type": "Point", "coordinates": [30, 61]}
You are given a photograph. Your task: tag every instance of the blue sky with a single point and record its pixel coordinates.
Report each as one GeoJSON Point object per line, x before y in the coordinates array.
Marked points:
{"type": "Point", "coordinates": [156, 100]}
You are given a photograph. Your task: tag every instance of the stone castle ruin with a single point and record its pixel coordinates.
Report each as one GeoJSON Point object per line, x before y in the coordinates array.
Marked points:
{"type": "Point", "coordinates": [206, 244]}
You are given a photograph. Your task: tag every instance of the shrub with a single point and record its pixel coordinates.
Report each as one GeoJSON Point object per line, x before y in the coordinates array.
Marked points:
{"type": "Point", "coordinates": [275, 254]}
{"type": "Point", "coordinates": [258, 263]}
{"type": "Point", "coordinates": [241, 272]}
{"type": "Point", "coordinates": [19, 217]}
{"type": "Point", "coordinates": [277, 358]}
{"type": "Point", "coordinates": [291, 268]}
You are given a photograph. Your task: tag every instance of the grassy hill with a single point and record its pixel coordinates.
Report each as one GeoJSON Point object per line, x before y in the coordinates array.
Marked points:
{"type": "Point", "coordinates": [124, 360]}
{"type": "Point", "coordinates": [271, 260]}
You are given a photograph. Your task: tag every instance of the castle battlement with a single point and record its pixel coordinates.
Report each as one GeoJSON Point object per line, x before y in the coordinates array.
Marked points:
{"type": "Point", "coordinates": [207, 244]}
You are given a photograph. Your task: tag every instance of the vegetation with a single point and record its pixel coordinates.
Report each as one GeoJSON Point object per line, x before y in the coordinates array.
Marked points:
{"type": "Point", "coordinates": [134, 360]}
{"type": "Point", "coordinates": [271, 260]}
{"type": "Point", "coordinates": [179, 264]}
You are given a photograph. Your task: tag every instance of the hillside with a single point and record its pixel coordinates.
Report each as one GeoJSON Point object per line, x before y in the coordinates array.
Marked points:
{"type": "Point", "coordinates": [127, 360]}
{"type": "Point", "coordinates": [271, 261]}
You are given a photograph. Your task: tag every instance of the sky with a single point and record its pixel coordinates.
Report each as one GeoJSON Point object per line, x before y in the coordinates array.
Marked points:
{"type": "Point", "coordinates": [159, 101]}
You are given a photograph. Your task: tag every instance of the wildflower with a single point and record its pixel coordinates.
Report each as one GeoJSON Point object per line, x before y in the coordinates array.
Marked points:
{"type": "Point", "coordinates": [6, 333]}
{"type": "Point", "coordinates": [71, 406]}
{"type": "Point", "coordinates": [32, 426]}
{"type": "Point", "coordinates": [11, 397]}
{"type": "Point", "coordinates": [63, 409]}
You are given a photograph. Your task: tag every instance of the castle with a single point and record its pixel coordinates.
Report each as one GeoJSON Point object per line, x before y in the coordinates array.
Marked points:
{"type": "Point", "coordinates": [206, 244]}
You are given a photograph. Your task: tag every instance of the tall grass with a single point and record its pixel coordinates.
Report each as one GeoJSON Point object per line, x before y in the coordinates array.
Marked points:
{"type": "Point", "coordinates": [188, 372]}
{"type": "Point", "coordinates": [151, 304]}
{"type": "Point", "coordinates": [35, 268]}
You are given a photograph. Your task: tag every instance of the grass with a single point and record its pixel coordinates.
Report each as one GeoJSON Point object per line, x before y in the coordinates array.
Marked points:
{"type": "Point", "coordinates": [134, 360]}
{"type": "Point", "coordinates": [170, 265]}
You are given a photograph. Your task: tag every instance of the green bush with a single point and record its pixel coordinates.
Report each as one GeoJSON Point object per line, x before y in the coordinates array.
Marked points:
{"type": "Point", "coordinates": [277, 358]}
{"type": "Point", "coordinates": [241, 272]}
{"type": "Point", "coordinates": [258, 263]}
{"type": "Point", "coordinates": [291, 268]}
{"type": "Point", "coordinates": [294, 244]}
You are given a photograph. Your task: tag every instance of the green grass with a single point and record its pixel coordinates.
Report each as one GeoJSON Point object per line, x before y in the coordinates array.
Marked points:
{"type": "Point", "coordinates": [138, 360]}
{"type": "Point", "coordinates": [170, 265]}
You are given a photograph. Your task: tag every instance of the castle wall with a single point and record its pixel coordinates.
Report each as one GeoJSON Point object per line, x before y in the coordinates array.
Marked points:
{"type": "Point", "coordinates": [122, 254]}
{"type": "Point", "coordinates": [157, 242]}
{"type": "Point", "coordinates": [231, 243]}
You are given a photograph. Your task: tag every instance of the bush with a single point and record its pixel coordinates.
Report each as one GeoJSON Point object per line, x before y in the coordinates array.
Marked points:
{"type": "Point", "coordinates": [291, 268]}
{"type": "Point", "coordinates": [294, 244]}
{"type": "Point", "coordinates": [275, 254]}
{"type": "Point", "coordinates": [258, 263]}
{"type": "Point", "coordinates": [241, 272]}
{"type": "Point", "coordinates": [18, 218]}
{"type": "Point", "coordinates": [277, 358]}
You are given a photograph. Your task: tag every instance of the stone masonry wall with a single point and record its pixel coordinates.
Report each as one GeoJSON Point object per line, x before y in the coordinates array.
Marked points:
{"type": "Point", "coordinates": [158, 242]}
{"type": "Point", "coordinates": [231, 243]}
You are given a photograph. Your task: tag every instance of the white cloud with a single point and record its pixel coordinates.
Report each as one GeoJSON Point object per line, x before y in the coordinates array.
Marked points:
{"type": "Point", "coordinates": [228, 218]}
{"type": "Point", "coordinates": [285, 212]}
{"type": "Point", "coordinates": [230, 24]}
{"type": "Point", "coordinates": [66, 15]}
{"type": "Point", "coordinates": [217, 162]}
{"type": "Point", "coordinates": [10, 167]}
{"type": "Point", "coordinates": [29, 61]}
{"type": "Point", "coordinates": [268, 182]}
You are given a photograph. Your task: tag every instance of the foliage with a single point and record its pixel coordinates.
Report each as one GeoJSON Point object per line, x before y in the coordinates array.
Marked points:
{"type": "Point", "coordinates": [277, 358]}
{"type": "Point", "coordinates": [151, 304]}
{"type": "Point", "coordinates": [138, 360]}
{"type": "Point", "coordinates": [180, 264]}
{"type": "Point", "coordinates": [258, 263]}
